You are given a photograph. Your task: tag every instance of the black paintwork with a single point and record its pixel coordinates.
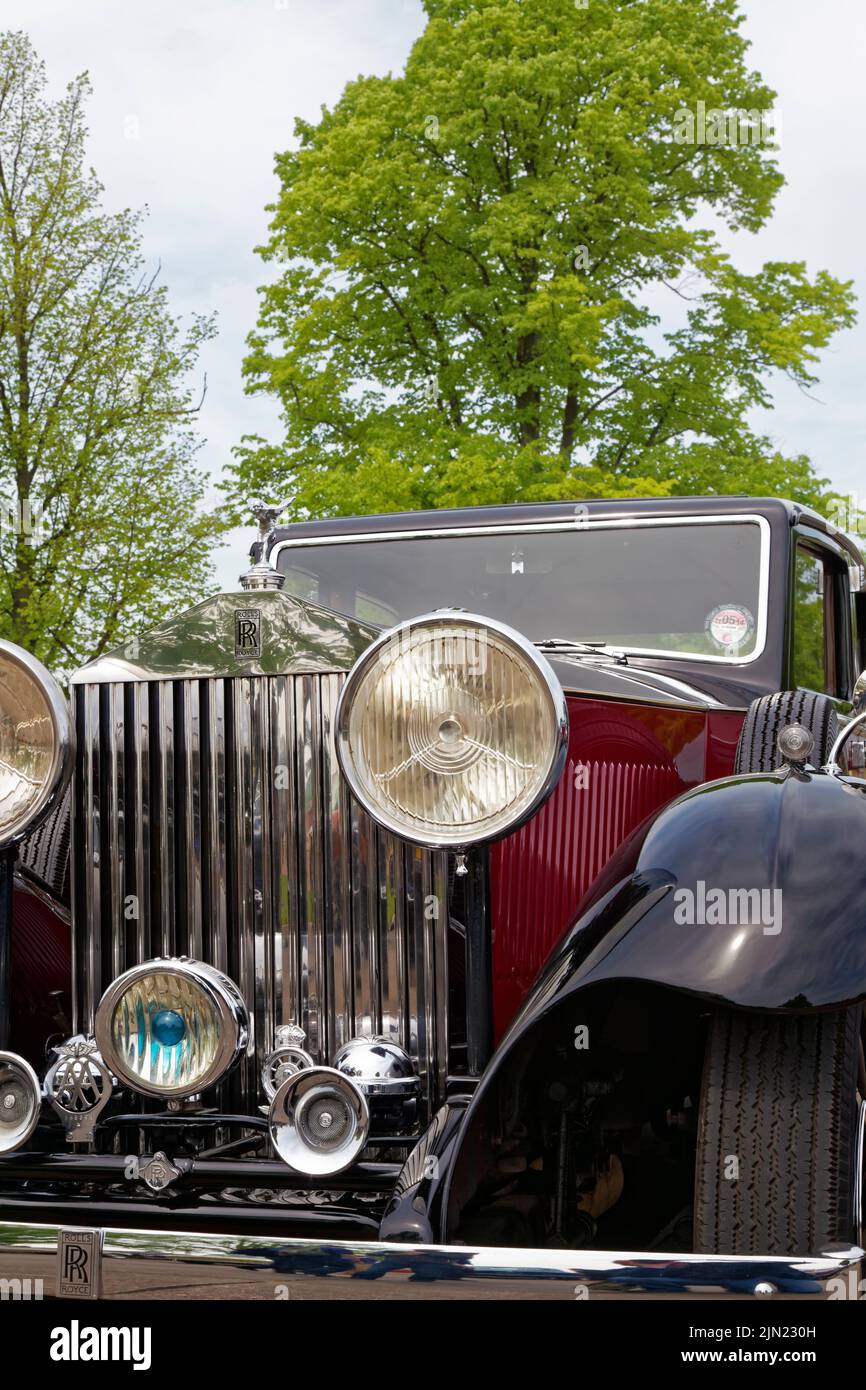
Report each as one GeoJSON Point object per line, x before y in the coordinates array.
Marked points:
{"type": "Point", "coordinates": [803, 834]}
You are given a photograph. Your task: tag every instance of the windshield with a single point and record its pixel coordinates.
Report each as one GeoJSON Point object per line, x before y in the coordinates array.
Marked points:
{"type": "Point", "coordinates": [687, 590]}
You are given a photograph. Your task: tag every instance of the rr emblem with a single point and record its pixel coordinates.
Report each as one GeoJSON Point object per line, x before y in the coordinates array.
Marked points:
{"type": "Point", "coordinates": [248, 633]}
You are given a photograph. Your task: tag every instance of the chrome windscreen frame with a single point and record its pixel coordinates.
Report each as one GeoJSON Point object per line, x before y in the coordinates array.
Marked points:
{"type": "Point", "coordinates": [581, 524]}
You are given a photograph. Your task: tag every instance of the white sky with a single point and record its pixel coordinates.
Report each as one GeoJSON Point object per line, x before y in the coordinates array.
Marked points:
{"type": "Point", "coordinates": [192, 98]}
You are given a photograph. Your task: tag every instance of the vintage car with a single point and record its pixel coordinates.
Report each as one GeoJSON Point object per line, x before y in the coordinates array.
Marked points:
{"type": "Point", "coordinates": [471, 896]}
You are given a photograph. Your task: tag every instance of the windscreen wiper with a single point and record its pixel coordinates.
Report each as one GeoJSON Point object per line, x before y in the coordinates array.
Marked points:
{"type": "Point", "coordinates": [567, 645]}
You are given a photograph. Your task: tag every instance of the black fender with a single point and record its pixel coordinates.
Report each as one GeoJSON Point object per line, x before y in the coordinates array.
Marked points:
{"type": "Point", "coordinates": [662, 913]}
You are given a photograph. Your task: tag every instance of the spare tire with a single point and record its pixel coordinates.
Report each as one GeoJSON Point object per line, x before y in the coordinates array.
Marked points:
{"type": "Point", "coordinates": [757, 750]}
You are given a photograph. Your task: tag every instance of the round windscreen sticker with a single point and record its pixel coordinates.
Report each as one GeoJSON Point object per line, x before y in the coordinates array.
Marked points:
{"type": "Point", "coordinates": [730, 626]}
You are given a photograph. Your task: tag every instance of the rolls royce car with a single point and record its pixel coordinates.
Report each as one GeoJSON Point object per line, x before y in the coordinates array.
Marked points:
{"type": "Point", "coordinates": [471, 900]}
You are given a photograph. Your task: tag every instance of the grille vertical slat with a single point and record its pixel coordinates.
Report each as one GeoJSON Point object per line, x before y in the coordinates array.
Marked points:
{"type": "Point", "coordinates": [116, 813]}
{"type": "Point", "coordinates": [284, 859]}
{"type": "Point", "coordinates": [337, 879]}
{"type": "Point", "coordinates": [192, 867]}
{"type": "Point", "coordinates": [219, 805]}
{"type": "Point", "coordinates": [311, 922]}
{"type": "Point", "coordinates": [164, 871]}
{"type": "Point", "coordinates": [214, 815]}
{"type": "Point", "coordinates": [364, 917]}
{"type": "Point", "coordinates": [141, 825]}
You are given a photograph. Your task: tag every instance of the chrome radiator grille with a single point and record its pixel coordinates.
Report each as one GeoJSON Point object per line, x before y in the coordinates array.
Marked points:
{"type": "Point", "coordinates": [210, 819]}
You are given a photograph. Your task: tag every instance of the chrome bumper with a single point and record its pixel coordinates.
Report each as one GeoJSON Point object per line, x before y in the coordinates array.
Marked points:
{"type": "Point", "coordinates": [139, 1264]}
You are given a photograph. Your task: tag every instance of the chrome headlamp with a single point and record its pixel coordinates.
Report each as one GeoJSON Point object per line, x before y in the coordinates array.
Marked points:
{"type": "Point", "coordinates": [318, 1122]}
{"type": "Point", "coordinates": [451, 730]}
{"type": "Point", "coordinates": [35, 742]}
{"type": "Point", "coordinates": [20, 1101]}
{"type": "Point", "coordinates": [171, 1027]}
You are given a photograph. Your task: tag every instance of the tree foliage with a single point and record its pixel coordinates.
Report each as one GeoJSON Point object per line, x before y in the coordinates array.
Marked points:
{"type": "Point", "coordinates": [474, 261]}
{"type": "Point", "coordinates": [102, 528]}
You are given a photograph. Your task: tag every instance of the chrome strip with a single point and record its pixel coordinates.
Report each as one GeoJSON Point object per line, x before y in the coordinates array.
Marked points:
{"type": "Point", "coordinates": [142, 824]}
{"type": "Point", "coordinates": [145, 1264]}
{"type": "Point", "coordinates": [217, 935]}
{"type": "Point", "coordinates": [577, 525]}
{"type": "Point", "coordinates": [338, 926]}
{"type": "Point", "coordinates": [115, 816]}
{"type": "Point", "coordinates": [246, 913]}
{"type": "Point", "coordinates": [284, 879]}
{"type": "Point", "coordinates": [165, 806]}
{"type": "Point", "coordinates": [92, 964]}
{"type": "Point", "coordinates": [192, 818]}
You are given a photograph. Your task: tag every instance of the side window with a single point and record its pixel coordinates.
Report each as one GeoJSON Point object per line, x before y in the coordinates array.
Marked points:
{"type": "Point", "coordinates": [818, 626]}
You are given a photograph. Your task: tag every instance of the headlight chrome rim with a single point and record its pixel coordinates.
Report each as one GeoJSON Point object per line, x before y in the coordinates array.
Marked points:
{"type": "Point", "coordinates": [64, 744]}
{"type": "Point", "coordinates": [288, 1109]}
{"type": "Point", "coordinates": [221, 993]}
{"type": "Point", "coordinates": [550, 686]}
{"type": "Point", "coordinates": [16, 1063]}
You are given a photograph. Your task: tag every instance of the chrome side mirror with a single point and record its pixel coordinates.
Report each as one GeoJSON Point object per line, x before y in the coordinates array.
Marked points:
{"type": "Point", "coordinates": [858, 699]}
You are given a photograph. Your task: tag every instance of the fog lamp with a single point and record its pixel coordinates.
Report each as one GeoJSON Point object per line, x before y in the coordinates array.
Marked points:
{"type": "Point", "coordinates": [171, 1027]}
{"type": "Point", "coordinates": [20, 1101]}
{"type": "Point", "coordinates": [318, 1121]}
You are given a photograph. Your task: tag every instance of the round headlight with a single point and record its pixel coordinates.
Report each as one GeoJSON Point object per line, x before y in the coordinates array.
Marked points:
{"type": "Point", "coordinates": [35, 742]}
{"type": "Point", "coordinates": [451, 730]}
{"type": "Point", "coordinates": [171, 1027]}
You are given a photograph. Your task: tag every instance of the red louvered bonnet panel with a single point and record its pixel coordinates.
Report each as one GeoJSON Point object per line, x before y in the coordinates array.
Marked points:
{"type": "Point", "coordinates": [624, 761]}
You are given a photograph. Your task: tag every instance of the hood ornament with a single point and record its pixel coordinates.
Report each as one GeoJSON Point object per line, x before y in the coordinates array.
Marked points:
{"type": "Point", "coordinates": [263, 575]}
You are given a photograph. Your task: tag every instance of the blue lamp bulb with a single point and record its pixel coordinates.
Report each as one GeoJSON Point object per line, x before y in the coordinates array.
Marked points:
{"type": "Point", "coordinates": [168, 1028]}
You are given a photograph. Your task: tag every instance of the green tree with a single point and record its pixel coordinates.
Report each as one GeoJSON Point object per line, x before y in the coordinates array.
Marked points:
{"type": "Point", "coordinates": [472, 257]}
{"type": "Point", "coordinates": [102, 528]}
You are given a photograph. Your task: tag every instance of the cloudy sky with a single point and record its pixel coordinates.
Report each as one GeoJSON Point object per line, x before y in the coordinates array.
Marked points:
{"type": "Point", "coordinates": [193, 97]}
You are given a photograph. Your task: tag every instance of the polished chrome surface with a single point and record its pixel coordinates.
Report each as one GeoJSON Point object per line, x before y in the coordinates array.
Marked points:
{"type": "Point", "coordinates": [78, 1086]}
{"type": "Point", "coordinates": [858, 696]}
{"type": "Point", "coordinates": [860, 1173]}
{"type": "Point", "coordinates": [211, 819]}
{"type": "Point", "coordinates": [296, 638]}
{"type": "Point", "coordinates": [262, 575]}
{"type": "Point", "coordinates": [192, 976]}
{"type": "Point", "coordinates": [378, 1066]}
{"type": "Point", "coordinates": [288, 1057]}
{"type": "Point", "coordinates": [447, 618]}
{"type": "Point", "coordinates": [200, 1265]}
{"type": "Point", "coordinates": [64, 743]}
{"type": "Point", "coordinates": [832, 765]}
{"type": "Point", "coordinates": [20, 1101]}
{"type": "Point", "coordinates": [318, 1122]}
{"type": "Point", "coordinates": [795, 743]}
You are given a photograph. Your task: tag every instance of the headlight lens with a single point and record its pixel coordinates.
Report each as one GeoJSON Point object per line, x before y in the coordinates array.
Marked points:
{"type": "Point", "coordinates": [171, 1027]}
{"type": "Point", "coordinates": [35, 741]}
{"type": "Point", "coordinates": [452, 730]}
